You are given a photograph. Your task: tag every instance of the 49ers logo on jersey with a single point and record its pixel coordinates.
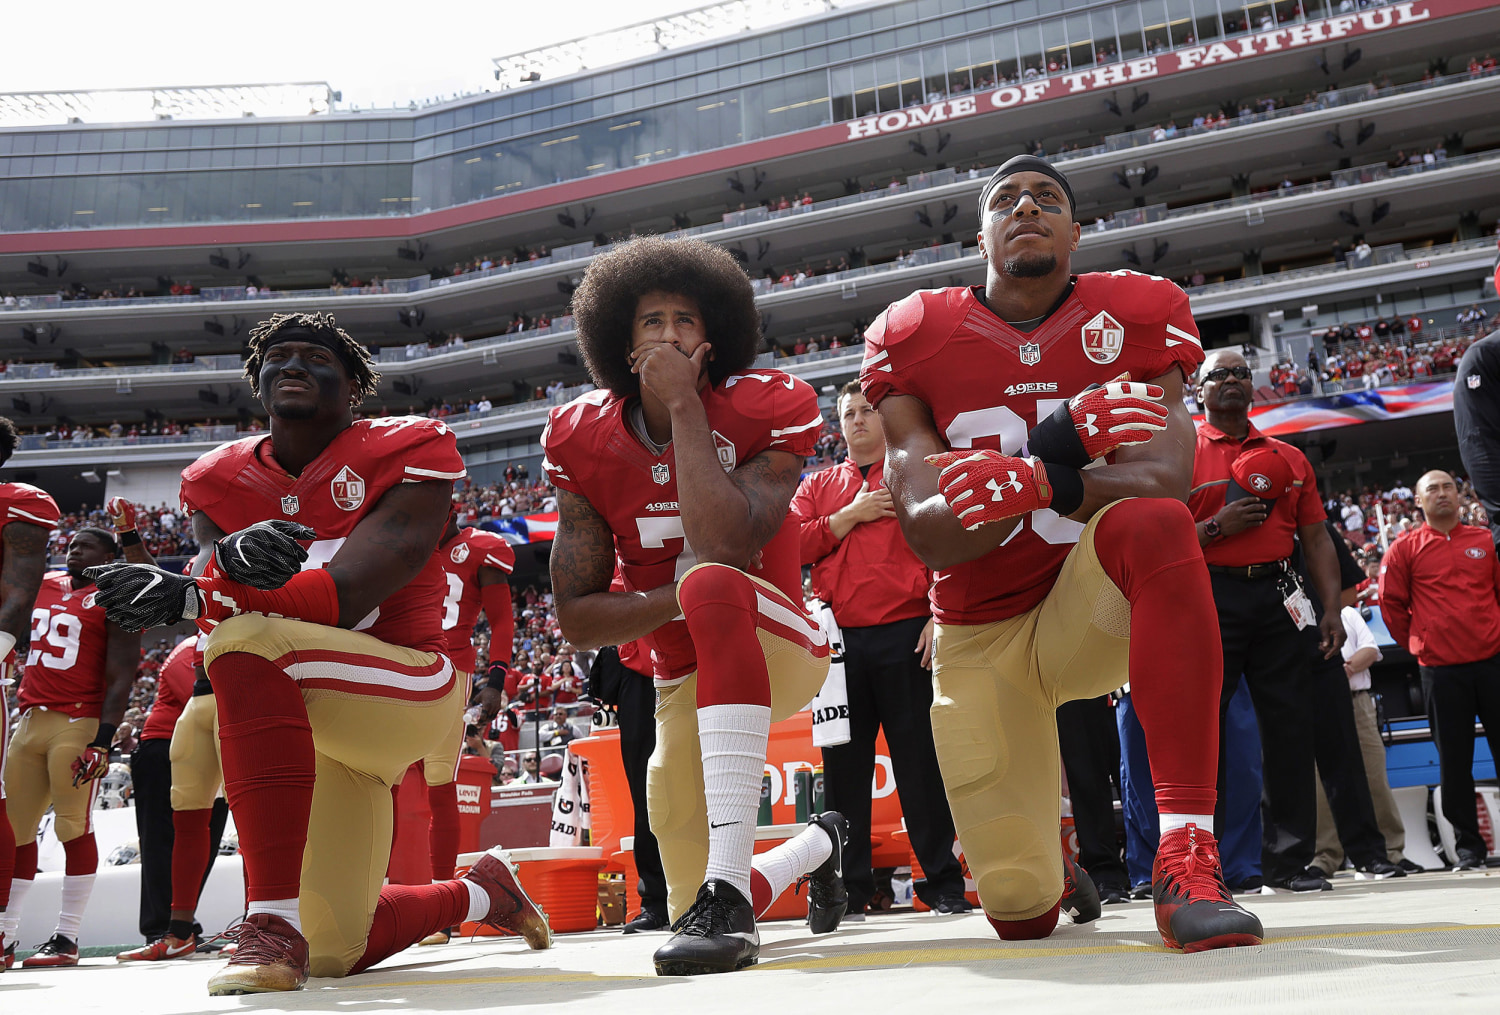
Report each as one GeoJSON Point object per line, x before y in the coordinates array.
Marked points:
{"type": "Point", "coordinates": [728, 457]}
{"type": "Point", "coordinates": [460, 553]}
{"type": "Point", "coordinates": [348, 489]}
{"type": "Point", "coordinates": [1103, 338]}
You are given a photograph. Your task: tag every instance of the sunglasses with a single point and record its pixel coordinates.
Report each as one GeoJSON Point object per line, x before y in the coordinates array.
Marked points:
{"type": "Point", "coordinates": [1223, 373]}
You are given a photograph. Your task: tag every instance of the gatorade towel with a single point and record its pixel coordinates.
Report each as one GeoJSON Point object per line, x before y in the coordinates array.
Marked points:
{"type": "Point", "coordinates": [830, 707]}
{"type": "Point", "coordinates": [570, 804]}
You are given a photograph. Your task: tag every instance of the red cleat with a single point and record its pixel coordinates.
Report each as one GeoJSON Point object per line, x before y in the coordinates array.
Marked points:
{"type": "Point", "coordinates": [161, 950]}
{"type": "Point", "coordinates": [271, 956]}
{"type": "Point", "coordinates": [1195, 910]}
{"type": "Point", "coordinates": [510, 907]}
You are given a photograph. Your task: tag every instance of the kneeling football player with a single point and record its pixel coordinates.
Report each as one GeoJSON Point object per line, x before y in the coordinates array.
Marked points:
{"type": "Point", "coordinates": [683, 464]}
{"type": "Point", "coordinates": [325, 654]}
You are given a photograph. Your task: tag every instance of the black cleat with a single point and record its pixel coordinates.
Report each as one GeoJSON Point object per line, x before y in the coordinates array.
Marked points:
{"type": "Point", "coordinates": [1379, 870]}
{"type": "Point", "coordinates": [646, 920]}
{"type": "Point", "coordinates": [1080, 899]}
{"type": "Point", "coordinates": [952, 905]}
{"type": "Point", "coordinates": [1411, 866]}
{"type": "Point", "coordinates": [1309, 879]}
{"type": "Point", "coordinates": [827, 899]}
{"type": "Point", "coordinates": [1469, 860]}
{"type": "Point", "coordinates": [716, 935]}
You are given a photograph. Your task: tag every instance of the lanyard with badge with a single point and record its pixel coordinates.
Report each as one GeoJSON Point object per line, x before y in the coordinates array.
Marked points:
{"type": "Point", "coordinates": [1294, 597]}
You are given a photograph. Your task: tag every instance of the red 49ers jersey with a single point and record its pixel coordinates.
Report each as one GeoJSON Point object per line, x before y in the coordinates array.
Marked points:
{"type": "Point", "coordinates": [461, 558]}
{"type": "Point", "coordinates": [65, 667]}
{"type": "Point", "coordinates": [174, 686]}
{"type": "Point", "coordinates": [240, 484]}
{"type": "Point", "coordinates": [987, 384]}
{"type": "Point", "coordinates": [591, 450]}
{"type": "Point", "coordinates": [22, 502]}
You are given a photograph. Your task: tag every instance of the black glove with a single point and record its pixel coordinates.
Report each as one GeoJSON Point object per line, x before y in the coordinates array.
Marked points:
{"type": "Point", "coordinates": [265, 555]}
{"type": "Point", "coordinates": [140, 596]}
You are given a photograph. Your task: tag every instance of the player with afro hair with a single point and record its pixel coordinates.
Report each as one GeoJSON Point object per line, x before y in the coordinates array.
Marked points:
{"type": "Point", "coordinates": [604, 306]}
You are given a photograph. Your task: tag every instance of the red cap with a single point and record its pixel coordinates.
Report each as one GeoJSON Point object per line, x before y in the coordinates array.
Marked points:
{"type": "Point", "coordinates": [1262, 472]}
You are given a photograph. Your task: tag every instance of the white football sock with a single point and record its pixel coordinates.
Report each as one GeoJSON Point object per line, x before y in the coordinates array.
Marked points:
{"type": "Point", "coordinates": [799, 855]}
{"type": "Point", "coordinates": [287, 909]}
{"type": "Point", "coordinates": [479, 901]}
{"type": "Point", "coordinates": [733, 739]}
{"type": "Point", "coordinates": [10, 920]}
{"type": "Point", "coordinates": [1171, 821]}
{"type": "Point", "coordinates": [76, 889]}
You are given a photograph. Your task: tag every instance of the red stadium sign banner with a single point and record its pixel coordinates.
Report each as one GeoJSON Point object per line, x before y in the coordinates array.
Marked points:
{"type": "Point", "coordinates": [1130, 72]}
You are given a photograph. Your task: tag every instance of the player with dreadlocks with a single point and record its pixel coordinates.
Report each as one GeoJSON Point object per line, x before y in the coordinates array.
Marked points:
{"type": "Point", "coordinates": [325, 653]}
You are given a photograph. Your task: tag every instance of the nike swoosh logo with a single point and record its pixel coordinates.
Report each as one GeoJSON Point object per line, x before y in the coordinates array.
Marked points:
{"type": "Point", "coordinates": [722, 824]}
{"type": "Point", "coordinates": [181, 950]}
{"type": "Point", "coordinates": [155, 581]}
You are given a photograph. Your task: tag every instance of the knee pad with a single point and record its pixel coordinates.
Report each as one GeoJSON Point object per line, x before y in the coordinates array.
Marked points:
{"type": "Point", "coordinates": [1138, 538]}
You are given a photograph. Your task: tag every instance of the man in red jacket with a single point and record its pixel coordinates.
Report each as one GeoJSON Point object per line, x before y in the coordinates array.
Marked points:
{"type": "Point", "coordinates": [877, 589]}
{"type": "Point", "coordinates": [1440, 597]}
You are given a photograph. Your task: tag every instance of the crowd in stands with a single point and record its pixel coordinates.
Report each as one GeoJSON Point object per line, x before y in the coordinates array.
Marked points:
{"type": "Point", "coordinates": [1365, 361]}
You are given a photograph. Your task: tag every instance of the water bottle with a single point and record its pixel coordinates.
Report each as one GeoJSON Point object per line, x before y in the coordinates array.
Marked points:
{"type": "Point", "coordinates": [764, 817]}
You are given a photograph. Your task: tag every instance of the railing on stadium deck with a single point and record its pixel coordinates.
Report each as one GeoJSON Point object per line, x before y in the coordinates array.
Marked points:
{"type": "Point", "coordinates": [393, 355]}
{"type": "Point", "coordinates": [732, 220]}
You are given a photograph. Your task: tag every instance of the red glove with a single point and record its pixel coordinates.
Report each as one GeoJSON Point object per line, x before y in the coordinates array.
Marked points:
{"type": "Point", "coordinates": [121, 514]}
{"type": "Point", "coordinates": [1098, 420]}
{"type": "Point", "coordinates": [90, 765]}
{"type": "Point", "coordinates": [987, 486]}
{"type": "Point", "coordinates": [1121, 413]}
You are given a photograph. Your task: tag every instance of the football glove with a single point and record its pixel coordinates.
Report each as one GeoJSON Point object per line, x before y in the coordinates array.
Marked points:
{"type": "Point", "coordinates": [265, 555]}
{"type": "Point", "coordinates": [1098, 420]}
{"type": "Point", "coordinates": [94, 761]}
{"type": "Point", "coordinates": [141, 596]}
{"type": "Point", "coordinates": [987, 486]}
{"type": "Point", "coordinates": [121, 514]}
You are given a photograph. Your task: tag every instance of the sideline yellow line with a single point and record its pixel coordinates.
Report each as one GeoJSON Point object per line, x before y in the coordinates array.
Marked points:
{"type": "Point", "coordinates": [907, 957]}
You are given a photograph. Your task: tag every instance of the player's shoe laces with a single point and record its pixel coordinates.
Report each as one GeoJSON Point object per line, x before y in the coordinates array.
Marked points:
{"type": "Point", "coordinates": [55, 951]}
{"type": "Point", "coordinates": [163, 948]}
{"type": "Point", "coordinates": [1194, 908]}
{"type": "Point", "coordinates": [716, 935]}
{"type": "Point", "coordinates": [511, 908]}
{"type": "Point", "coordinates": [827, 899]}
{"type": "Point", "coordinates": [1080, 899]}
{"type": "Point", "coordinates": [270, 955]}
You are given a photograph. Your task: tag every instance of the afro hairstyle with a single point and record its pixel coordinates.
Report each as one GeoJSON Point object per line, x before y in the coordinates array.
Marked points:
{"type": "Point", "coordinates": [604, 305]}
{"type": "Point", "coordinates": [10, 439]}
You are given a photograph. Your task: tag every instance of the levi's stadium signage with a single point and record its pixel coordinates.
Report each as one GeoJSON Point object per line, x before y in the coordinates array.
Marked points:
{"type": "Point", "coordinates": [1130, 72]}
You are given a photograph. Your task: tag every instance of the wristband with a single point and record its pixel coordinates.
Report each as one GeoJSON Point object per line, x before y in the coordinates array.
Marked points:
{"type": "Point", "coordinates": [105, 737]}
{"type": "Point", "coordinates": [1212, 529]}
{"type": "Point", "coordinates": [130, 537]}
{"type": "Point", "coordinates": [1055, 440]}
{"type": "Point", "coordinates": [1067, 488]}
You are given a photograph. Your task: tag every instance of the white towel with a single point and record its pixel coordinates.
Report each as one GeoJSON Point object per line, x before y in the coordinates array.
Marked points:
{"type": "Point", "coordinates": [570, 804]}
{"type": "Point", "coordinates": [830, 707]}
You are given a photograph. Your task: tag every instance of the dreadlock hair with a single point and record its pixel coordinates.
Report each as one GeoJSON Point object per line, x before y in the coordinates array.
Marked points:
{"type": "Point", "coordinates": [604, 305]}
{"type": "Point", "coordinates": [9, 439]}
{"type": "Point", "coordinates": [103, 535]}
{"type": "Point", "coordinates": [355, 357]}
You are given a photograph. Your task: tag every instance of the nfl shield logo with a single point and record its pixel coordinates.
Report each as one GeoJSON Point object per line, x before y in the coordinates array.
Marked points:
{"type": "Point", "coordinates": [660, 474]}
{"type": "Point", "coordinates": [1031, 354]}
{"type": "Point", "coordinates": [1472, 381]}
{"type": "Point", "coordinates": [348, 489]}
{"type": "Point", "coordinates": [290, 505]}
{"type": "Point", "coordinates": [1103, 338]}
{"type": "Point", "coordinates": [728, 458]}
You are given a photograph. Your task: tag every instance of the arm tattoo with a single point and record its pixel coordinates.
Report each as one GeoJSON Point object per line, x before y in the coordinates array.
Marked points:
{"type": "Point", "coordinates": [768, 482]}
{"type": "Point", "coordinates": [583, 551]}
{"type": "Point", "coordinates": [21, 576]}
{"type": "Point", "coordinates": [396, 533]}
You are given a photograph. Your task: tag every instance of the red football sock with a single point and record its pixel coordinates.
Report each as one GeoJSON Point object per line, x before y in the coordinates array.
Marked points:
{"type": "Point", "coordinates": [1026, 930]}
{"type": "Point", "coordinates": [7, 849]}
{"type": "Point", "coordinates": [190, 845]}
{"type": "Point", "coordinates": [442, 833]}
{"type": "Point", "coordinates": [719, 606]}
{"type": "Point", "coordinates": [269, 769]}
{"type": "Point", "coordinates": [1149, 549]}
{"type": "Point", "coordinates": [80, 855]}
{"type": "Point", "coordinates": [26, 862]}
{"type": "Point", "coordinates": [761, 895]}
{"type": "Point", "coordinates": [405, 914]}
